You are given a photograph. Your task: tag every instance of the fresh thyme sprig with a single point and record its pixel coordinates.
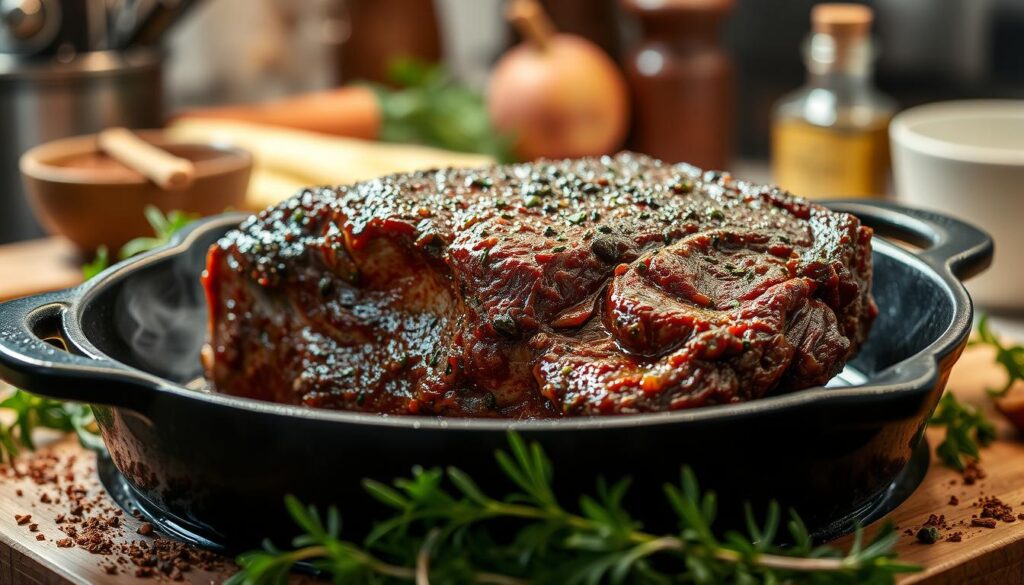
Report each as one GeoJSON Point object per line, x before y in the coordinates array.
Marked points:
{"type": "Point", "coordinates": [966, 430]}
{"type": "Point", "coordinates": [445, 529]}
{"type": "Point", "coordinates": [1011, 358]}
{"type": "Point", "coordinates": [31, 412]}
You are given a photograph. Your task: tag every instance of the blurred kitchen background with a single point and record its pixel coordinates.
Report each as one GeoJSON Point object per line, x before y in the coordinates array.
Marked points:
{"type": "Point", "coordinates": [71, 67]}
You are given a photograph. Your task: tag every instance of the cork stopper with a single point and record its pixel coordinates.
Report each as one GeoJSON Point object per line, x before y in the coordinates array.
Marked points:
{"type": "Point", "coordinates": [844, 21]}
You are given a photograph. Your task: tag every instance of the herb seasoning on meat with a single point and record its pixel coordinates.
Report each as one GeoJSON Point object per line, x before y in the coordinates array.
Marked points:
{"type": "Point", "coordinates": [580, 287]}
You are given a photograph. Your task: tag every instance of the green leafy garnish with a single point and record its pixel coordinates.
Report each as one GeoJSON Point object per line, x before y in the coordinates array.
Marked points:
{"type": "Point", "coordinates": [1011, 358]}
{"type": "Point", "coordinates": [163, 228]}
{"type": "Point", "coordinates": [445, 529]}
{"type": "Point", "coordinates": [431, 108]}
{"type": "Point", "coordinates": [31, 412]}
{"type": "Point", "coordinates": [966, 430]}
{"type": "Point", "coordinates": [99, 263]}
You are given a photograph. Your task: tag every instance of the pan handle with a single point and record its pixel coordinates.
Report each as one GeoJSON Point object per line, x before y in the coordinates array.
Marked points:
{"type": "Point", "coordinates": [948, 243]}
{"type": "Point", "coordinates": [35, 355]}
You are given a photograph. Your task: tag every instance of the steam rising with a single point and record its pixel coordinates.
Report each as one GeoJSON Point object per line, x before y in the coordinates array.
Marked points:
{"type": "Point", "coordinates": [161, 316]}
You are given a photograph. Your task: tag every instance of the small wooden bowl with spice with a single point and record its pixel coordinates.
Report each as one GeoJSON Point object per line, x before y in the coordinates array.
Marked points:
{"type": "Point", "coordinates": [93, 189]}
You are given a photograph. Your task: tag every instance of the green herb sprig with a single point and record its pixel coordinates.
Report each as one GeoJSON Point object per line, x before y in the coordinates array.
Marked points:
{"type": "Point", "coordinates": [967, 429]}
{"type": "Point", "coordinates": [445, 529]}
{"type": "Point", "coordinates": [31, 412]}
{"type": "Point", "coordinates": [164, 226]}
{"type": "Point", "coordinates": [431, 107]}
{"type": "Point", "coordinates": [1011, 358]}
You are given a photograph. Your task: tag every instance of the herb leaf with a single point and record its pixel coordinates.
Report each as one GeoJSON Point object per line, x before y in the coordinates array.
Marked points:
{"type": "Point", "coordinates": [164, 226]}
{"type": "Point", "coordinates": [432, 108]}
{"type": "Point", "coordinates": [1011, 358]}
{"type": "Point", "coordinates": [99, 263]}
{"type": "Point", "coordinates": [446, 529]}
{"type": "Point", "coordinates": [31, 412]}
{"type": "Point", "coordinates": [967, 428]}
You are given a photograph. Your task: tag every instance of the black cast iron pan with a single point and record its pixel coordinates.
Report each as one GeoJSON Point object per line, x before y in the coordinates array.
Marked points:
{"type": "Point", "coordinates": [217, 466]}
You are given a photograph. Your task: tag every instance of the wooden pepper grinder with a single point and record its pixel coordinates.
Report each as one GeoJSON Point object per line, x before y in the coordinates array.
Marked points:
{"type": "Point", "coordinates": [682, 82]}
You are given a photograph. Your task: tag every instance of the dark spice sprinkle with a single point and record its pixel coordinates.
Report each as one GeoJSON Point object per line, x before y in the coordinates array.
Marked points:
{"type": "Point", "coordinates": [479, 182]}
{"type": "Point", "coordinates": [983, 522]}
{"type": "Point", "coordinates": [558, 249]}
{"type": "Point", "coordinates": [928, 535]}
{"type": "Point", "coordinates": [550, 232]}
{"type": "Point", "coordinates": [682, 186]}
{"type": "Point", "coordinates": [606, 249]}
{"type": "Point", "coordinates": [505, 325]}
{"type": "Point", "coordinates": [325, 286]}
{"type": "Point", "coordinates": [604, 229]}
{"type": "Point", "coordinates": [590, 188]}
{"type": "Point", "coordinates": [716, 214]}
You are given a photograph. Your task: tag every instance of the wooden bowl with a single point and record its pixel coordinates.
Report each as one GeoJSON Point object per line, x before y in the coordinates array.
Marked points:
{"type": "Point", "coordinates": [80, 193]}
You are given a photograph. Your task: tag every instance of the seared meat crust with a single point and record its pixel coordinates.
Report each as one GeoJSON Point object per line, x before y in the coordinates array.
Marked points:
{"type": "Point", "coordinates": [577, 287]}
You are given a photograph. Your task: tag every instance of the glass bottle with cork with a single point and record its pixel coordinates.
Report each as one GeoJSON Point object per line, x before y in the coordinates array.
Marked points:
{"type": "Point", "coordinates": [829, 138]}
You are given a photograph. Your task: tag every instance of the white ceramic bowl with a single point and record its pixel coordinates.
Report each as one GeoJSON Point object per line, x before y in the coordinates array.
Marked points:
{"type": "Point", "coordinates": [966, 159]}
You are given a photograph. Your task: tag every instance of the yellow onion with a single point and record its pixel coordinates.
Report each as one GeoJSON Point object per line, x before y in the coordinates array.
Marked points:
{"type": "Point", "coordinates": [558, 95]}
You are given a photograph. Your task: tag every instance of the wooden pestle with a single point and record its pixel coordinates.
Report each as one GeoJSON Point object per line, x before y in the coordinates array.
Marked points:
{"type": "Point", "coordinates": [169, 172]}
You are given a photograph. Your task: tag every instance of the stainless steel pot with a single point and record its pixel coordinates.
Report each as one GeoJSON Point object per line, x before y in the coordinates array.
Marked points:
{"type": "Point", "coordinates": [45, 100]}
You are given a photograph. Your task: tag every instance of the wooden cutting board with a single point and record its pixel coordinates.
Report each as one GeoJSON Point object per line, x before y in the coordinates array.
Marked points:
{"type": "Point", "coordinates": [984, 556]}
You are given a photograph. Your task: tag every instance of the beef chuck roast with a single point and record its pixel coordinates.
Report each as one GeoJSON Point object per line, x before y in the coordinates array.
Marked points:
{"type": "Point", "coordinates": [579, 287]}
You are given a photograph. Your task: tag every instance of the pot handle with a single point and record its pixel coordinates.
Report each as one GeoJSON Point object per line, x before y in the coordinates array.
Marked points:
{"type": "Point", "coordinates": [947, 243]}
{"type": "Point", "coordinates": [36, 355]}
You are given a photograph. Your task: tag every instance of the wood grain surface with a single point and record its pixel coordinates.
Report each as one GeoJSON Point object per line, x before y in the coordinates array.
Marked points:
{"type": "Point", "coordinates": [38, 266]}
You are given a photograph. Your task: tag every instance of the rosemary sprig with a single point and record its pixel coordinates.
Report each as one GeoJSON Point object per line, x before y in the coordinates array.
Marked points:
{"type": "Point", "coordinates": [966, 430]}
{"type": "Point", "coordinates": [1011, 358]}
{"type": "Point", "coordinates": [31, 412]}
{"type": "Point", "coordinates": [445, 529]}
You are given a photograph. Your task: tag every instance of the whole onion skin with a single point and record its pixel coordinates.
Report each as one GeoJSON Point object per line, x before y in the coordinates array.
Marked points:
{"type": "Point", "coordinates": [566, 100]}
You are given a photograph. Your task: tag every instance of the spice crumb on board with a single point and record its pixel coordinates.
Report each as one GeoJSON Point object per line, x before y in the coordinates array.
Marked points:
{"type": "Point", "coordinates": [953, 501]}
{"type": "Point", "coordinates": [972, 473]}
{"type": "Point", "coordinates": [90, 520]}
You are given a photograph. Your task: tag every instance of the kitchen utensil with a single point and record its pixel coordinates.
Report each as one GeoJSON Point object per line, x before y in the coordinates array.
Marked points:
{"type": "Point", "coordinates": [163, 168]}
{"type": "Point", "coordinates": [92, 200]}
{"type": "Point", "coordinates": [214, 468]}
{"type": "Point", "coordinates": [28, 27]}
{"type": "Point", "coordinates": [153, 20]}
{"type": "Point", "coordinates": [966, 159]}
{"type": "Point", "coordinates": [41, 101]}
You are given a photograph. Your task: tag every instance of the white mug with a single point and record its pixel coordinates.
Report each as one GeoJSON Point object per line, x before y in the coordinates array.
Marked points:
{"type": "Point", "coordinates": [966, 159]}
